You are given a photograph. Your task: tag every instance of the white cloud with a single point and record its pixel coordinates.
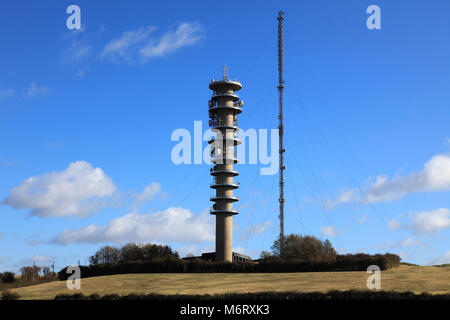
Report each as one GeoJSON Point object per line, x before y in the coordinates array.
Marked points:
{"type": "Point", "coordinates": [127, 44]}
{"type": "Point", "coordinates": [447, 142]}
{"type": "Point", "coordinates": [431, 221]}
{"type": "Point", "coordinates": [254, 230]}
{"type": "Point", "coordinates": [7, 163]}
{"type": "Point", "coordinates": [186, 34]}
{"type": "Point", "coordinates": [75, 32]}
{"type": "Point", "coordinates": [34, 90]}
{"type": "Point", "coordinates": [54, 144]}
{"type": "Point", "coordinates": [172, 225]}
{"type": "Point", "coordinates": [101, 30]}
{"type": "Point", "coordinates": [31, 91]}
{"type": "Point", "coordinates": [76, 191]}
{"type": "Point", "coordinates": [34, 239]}
{"type": "Point", "coordinates": [148, 193]}
{"type": "Point", "coordinates": [394, 225]}
{"type": "Point", "coordinates": [194, 249]}
{"type": "Point", "coordinates": [240, 250]}
{"type": "Point", "coordinates": [363, 218]}
{"type": "Point", "coordinates": [345, 197]}
{"type": "Point", "coordinates": [425, 222]}
{"type": "Point", "coordinates": [33, 243]}
{"type": "Point", "coordinates": [408, 242]}
{"type": "Point", "coordinates": [139, 43]}
{"type": "Point", "coordinates": [1, 235]}
{"type": "Point", "coordinates": [329, 231]}
{"type": "Point", "coordinates": [38, 259]}
{"type": "Point", "coordinates": [5, 93]}
{"type": "Point", "coordinates": [444, 259]}
{"type": "Point", "coordinates": [434, 177]}
{"type": "Point", "coordinates": [82, 72]}
{"type": "Point", "coordinates": [4, 259]}
{"type": "Point", "coordinates": [78, 50]}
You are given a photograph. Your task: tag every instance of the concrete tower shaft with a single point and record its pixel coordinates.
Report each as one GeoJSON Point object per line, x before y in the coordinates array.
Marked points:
{"type": "Point", "coordinates": [224, 107]}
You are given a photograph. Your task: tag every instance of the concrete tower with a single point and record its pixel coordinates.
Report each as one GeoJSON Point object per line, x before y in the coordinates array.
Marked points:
{"type": "Point", "coordinates": [224, 107]}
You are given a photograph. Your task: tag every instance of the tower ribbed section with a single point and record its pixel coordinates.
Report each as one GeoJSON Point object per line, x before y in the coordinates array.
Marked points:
{"type": "Point", "coordinates": [224, 107]}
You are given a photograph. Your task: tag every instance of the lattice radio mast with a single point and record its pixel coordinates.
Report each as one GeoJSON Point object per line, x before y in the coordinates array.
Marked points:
{"type": "Point", "coordinates": [280, 87]}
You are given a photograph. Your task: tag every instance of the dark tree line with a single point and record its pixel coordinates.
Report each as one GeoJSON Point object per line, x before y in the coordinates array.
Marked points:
{"type": "Point", "coordinates": [296, 254]}
{"type": "Point", "coordinates": [132, 252]}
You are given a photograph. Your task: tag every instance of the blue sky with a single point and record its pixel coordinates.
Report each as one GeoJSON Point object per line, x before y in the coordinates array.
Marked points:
{"type": "Point", "coordinates": [89, 114]}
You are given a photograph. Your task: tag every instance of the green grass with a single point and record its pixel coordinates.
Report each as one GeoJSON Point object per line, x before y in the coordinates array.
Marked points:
{"type": "Point", "coordinates": [417, 279]}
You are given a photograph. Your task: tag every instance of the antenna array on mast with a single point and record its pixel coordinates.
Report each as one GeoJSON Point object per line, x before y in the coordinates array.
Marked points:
{"type": "Point", "coordinates": [280, 126]}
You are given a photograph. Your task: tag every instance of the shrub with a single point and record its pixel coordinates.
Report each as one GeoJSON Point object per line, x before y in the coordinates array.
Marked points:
{"type": "Point", "coordinates": [94, 296]}
{"type": "Point", "coordinates": [8, 277]}
{"type": "Point", "coordinates": [111, 297]}
{"type": "Point", "coordinates": [349, 295]}
{"type": "Point", "coordinates": [8, 295]}
{"type": "Point", "coordinates": [75, 296]}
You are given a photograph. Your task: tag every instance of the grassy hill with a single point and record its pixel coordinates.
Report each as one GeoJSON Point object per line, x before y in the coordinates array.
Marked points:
{"type": "Point", "coordinates": [404, 278]}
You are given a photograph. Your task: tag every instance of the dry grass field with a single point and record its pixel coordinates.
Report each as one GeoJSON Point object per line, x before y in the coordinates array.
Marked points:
{"type": "Point", "coordinates": [404, 278]}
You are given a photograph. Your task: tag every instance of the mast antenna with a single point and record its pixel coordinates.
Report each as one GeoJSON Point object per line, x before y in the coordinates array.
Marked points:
{"type": "Point", "coordinates": [225, 72]}
{"type": "Point", "coordinates": [280, 87]}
